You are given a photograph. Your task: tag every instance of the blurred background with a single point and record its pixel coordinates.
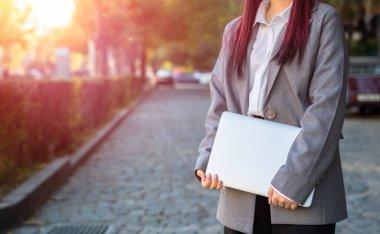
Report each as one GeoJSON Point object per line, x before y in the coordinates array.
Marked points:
{"type": "Point", "coordinates": [89, 38]}
{"type": "Point", "coordinates": [67, 67]}
{"type": "Point", "coordinates": [62, 39]}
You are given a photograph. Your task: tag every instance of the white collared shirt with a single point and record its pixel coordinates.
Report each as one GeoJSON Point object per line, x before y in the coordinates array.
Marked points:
{"type": "Point", "coordinates": [261, 54]}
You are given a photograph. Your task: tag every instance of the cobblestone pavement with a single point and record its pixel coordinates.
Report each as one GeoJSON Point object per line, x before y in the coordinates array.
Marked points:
{"type": "Point", "coordinates": [141, 179]}
{"type": "Point", "coordinates": [360, 152]}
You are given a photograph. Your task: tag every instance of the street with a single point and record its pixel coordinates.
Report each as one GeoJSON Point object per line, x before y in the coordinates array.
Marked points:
{"type": "Point", "coordinates": [141, 180]}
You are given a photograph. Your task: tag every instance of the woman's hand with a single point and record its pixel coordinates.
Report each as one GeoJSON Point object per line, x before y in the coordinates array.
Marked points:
{"type": "Point", "coordinates": [276, 199]}
{"type": "Point", "coordinates": [209, 181]}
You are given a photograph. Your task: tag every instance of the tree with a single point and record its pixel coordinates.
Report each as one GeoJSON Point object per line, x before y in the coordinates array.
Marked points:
{"type": "Point", "coordinates": [13, 26]}
{"type": "Point", "coordinates": [186, 32]}
{"type": "Point", "coordinates": [360, 26]}
{"type": "Point", "coordinates": [355, 8]}
{"type": "Point", "coordinates": [202, 34]}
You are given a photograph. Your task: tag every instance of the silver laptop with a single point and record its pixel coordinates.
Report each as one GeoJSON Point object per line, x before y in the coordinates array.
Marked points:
{"type": "Point", "coordinates": [247, 152]}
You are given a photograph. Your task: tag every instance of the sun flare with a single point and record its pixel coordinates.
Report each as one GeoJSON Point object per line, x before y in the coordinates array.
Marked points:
{"type": "Point", "coordinates": [50, 13]}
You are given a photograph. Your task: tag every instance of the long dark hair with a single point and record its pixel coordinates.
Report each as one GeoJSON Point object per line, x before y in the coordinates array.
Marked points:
{"type": "Point", "coordinates": [294, 42]}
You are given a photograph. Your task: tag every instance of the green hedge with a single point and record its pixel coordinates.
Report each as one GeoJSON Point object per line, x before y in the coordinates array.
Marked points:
{"type": "Point", "coordinates": [43, 119]}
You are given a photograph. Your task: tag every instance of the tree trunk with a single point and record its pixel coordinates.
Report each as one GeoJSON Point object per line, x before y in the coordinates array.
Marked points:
{"type": "Point", "coordinates": [101, 58]}
{"type": "Point", "coordinates": [143, 62]}
{"type": "Point", "coordinates": [378, 36]}
{"type": "Point", "coordinates": [130, 54]}
{"type": "Point", "coordinates": [101, 43]}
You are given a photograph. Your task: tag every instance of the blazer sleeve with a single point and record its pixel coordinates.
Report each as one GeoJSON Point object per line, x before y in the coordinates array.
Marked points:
{"type": "Point", "coordinates": [316, 145]}
{"type": "Point", "coordinates": [217, 107]}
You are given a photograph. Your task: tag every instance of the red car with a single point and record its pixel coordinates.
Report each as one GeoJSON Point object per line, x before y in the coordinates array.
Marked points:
{"type": "Point", "coordinates": [164, 77]}
{"type": "Point", "coordinates": [364, 87]}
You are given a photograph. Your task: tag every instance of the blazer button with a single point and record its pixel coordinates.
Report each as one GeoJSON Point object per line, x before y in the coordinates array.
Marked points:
{"type": "Point", "coordinates": [270, 114]}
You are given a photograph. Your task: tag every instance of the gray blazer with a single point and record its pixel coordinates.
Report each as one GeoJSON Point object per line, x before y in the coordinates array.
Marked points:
{"type": "Point", "coordinates": [311, 96]}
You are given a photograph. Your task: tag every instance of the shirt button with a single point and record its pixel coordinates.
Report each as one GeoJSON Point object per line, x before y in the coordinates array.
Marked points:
{"type": "Point", "coordinates": [270, 114]}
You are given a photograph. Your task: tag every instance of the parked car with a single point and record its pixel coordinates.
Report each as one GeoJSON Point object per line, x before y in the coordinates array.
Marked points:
{"type": "Point", "coordinates": [82, 72]}
{"type": "Point", "coordinates": [34, 74]}
{"type": "Point", "coordinates": [364, 87]}
{"type": "Point", "coordinates": [203, 77]}
{"type": "Point", "coordinates": [185, 78]}
{"type": "Point", "coordinates": [164, 77]}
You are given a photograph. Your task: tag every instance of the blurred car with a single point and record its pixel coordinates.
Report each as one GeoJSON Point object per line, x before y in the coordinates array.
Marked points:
{"type": "Point", "coordinates": [203, 77]}
{"type": "Point", "coordinates": [185, 78]}
{"type": "Point", "coordinates": [34, 74]}
{"type": "Point", "coordinates": [164, 77]}
{"type": "Point", "coordinates": [81, 73]}
{"type": "Point", "coordinates": [364, 87]}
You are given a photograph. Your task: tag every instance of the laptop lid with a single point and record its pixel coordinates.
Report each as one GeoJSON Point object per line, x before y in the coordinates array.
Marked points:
{"type": "Point", "coordinates": [247, 152]}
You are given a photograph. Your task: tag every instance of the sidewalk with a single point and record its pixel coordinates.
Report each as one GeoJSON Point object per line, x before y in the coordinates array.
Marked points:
{"type": "Point", "coordinates": [141, 179]}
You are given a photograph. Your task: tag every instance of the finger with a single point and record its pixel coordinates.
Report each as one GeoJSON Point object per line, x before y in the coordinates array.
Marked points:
{"type": "Point", "coordinates": [274, 200]}
{"type": "Point", "coordinates": [282, 201]}
{"type": "Point", "coordinates": [201, 174]}
{"type": "Point", "coordinates": [207, 182]}
{"type": "Point", "coordinates": [270, 194]}
{"type": "Point", "coordinates": [214, 182]}
{"type": "Point", "coordinates": [288, 204]}
{"type": "Point", "coordinates": [220, 185]}
{"type": "Point", "coordinates": [274, 203]}
{"type": "Point", "coordinates": [294, 206]}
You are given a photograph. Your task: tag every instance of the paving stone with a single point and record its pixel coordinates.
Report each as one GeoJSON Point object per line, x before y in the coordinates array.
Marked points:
{"type": "Point", "coordinates": [357, 188]}
{"type": "Point", "coordinates": [25, 230]}
{"type": "Point", "coordinates": [154, 210]}
{"type": "Point", "coordinates": [150, 221]}
{"type": "Point", "coordinates": [190, 229]}
{"type": "Point", "coordinates": [130, 228]}
{"type": "Point", "coordinates": [213, 229]}
{"type": "Point", "coordinates": [137, 213]}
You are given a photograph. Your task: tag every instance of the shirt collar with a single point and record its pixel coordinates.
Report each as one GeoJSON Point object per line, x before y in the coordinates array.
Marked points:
{"type": "Point", "coordinates": [260, 16]}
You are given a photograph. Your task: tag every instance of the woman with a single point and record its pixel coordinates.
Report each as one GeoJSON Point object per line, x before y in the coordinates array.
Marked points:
{"type": "Point", "coordinates": [284, 61]}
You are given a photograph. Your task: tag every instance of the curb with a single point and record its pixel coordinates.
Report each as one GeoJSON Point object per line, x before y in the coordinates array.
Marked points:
{"type": "Point", "coordinates": [25, 200]}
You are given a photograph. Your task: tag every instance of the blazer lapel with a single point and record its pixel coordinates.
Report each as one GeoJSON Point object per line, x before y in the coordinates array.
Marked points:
{"type": "Point", "coordinates": [273, 66]}
{"type": "Point", "coordinates": [243, 82]}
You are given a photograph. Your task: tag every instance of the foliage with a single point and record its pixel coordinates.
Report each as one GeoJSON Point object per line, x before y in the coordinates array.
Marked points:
{"type": "Point", "coordinates": [186, 32]}
{"type": "Point", "coordinates": [203, 24]}
{"type": "Point", "coordinates": [350, 9]}
{"type": "Point", "coordinates": [40, 120]}
{"type": "Point", "coordinates": [13, 25]}
{"type": "Point", "coordinates": [360, 26]}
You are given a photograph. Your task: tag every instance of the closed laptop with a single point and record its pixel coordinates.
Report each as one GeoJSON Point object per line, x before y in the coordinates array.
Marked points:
{"type": "Point", "coordinates": [247, 152]}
